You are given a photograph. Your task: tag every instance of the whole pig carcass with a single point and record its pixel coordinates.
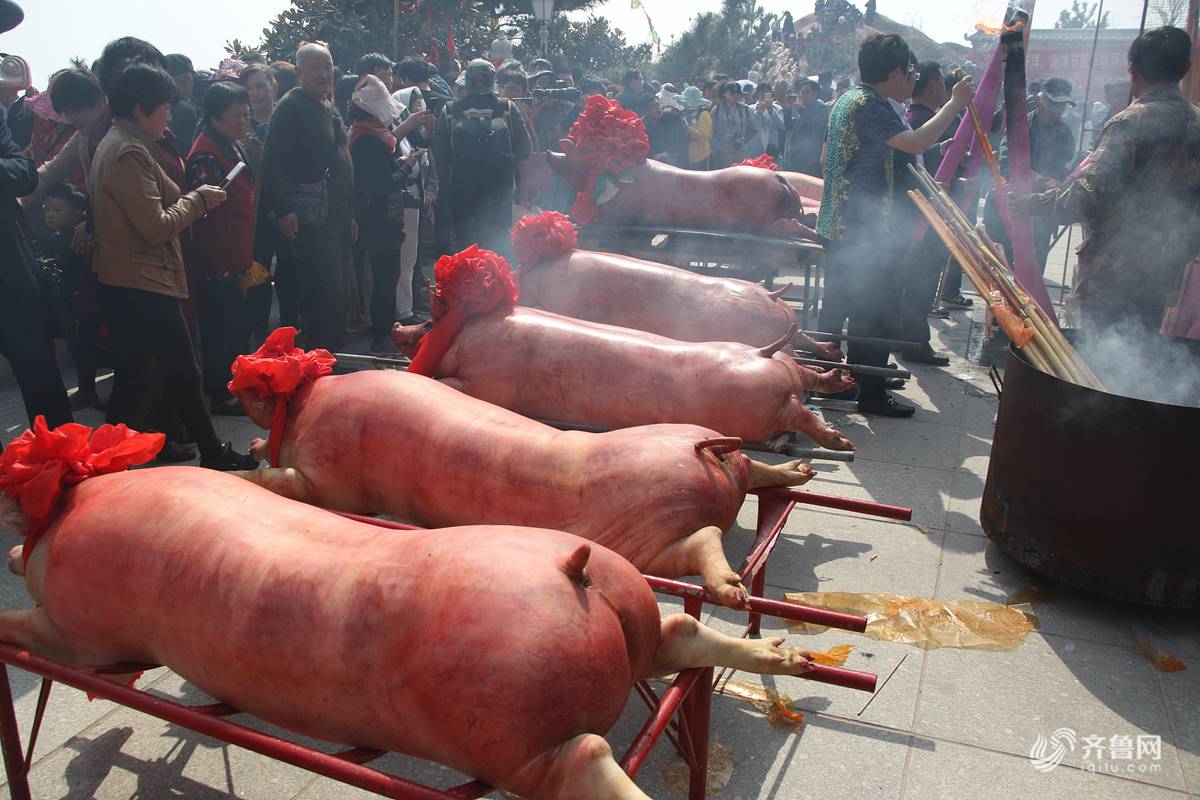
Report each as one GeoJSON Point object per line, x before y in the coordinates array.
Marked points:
{"type": "Point", "coordinates": [604, 160]}
{"type": "Point", "coordinates": [551, 367]}
{"type": "Point", "coordinates": [502, 652]}
{"type": "Point", "coordinates": [662, 496]}
{"type": "Point", "coordinates": [631, 293]}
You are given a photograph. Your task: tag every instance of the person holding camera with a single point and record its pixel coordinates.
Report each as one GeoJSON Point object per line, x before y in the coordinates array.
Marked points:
{"type": "Point", "coordinates": [480, 140]}
{"type": "Point", "coordinates": [220, 247]}
{"type": "Point", "coordinates": [734, 124]}
{"type": "Point", "coordinates": [384, 195]}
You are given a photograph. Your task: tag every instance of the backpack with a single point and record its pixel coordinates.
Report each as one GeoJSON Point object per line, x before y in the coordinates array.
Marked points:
{"type": "Point", "coordinates": [481, 148]}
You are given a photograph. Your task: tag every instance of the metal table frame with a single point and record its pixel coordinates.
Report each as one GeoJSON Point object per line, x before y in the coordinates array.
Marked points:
{"type": "Point", "coordinates": [681, 712]}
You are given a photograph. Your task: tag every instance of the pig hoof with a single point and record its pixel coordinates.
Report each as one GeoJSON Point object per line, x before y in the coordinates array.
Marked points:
{"type": "Point", "coordinates": [16, 560]}
{"type": "Point", "coordinates": [729, 591]}
{"type": "Point", "coordinates": [768, 658]}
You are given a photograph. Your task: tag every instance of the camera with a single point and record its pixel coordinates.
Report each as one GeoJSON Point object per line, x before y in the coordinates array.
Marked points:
{"type": "Point", "coordinates": [566, 93]}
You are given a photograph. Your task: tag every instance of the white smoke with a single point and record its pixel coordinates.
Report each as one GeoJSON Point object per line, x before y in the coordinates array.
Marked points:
{"type": "Point", "coordinates": [1130, 362]}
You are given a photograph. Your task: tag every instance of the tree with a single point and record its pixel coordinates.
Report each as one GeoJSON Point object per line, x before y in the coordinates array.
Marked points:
{"type": "Point", "coordinates": [1172, 12]}
{"type": "Point", "coordinates": [593, 45]}
{"type": "Point", "coordinates": [354, 27]}
{"type": "Point", "coordinates": [1081, 15]}
{"type": "Point", "coordinates": [730, 41]}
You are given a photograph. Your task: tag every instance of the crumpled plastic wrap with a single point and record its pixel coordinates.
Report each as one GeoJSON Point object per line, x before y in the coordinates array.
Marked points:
{"type": "Point", "coordinates": [778, 707]}
{"type": "Point", "coordinates": [721, 765]}
{"type": "Point", "coordinates": [1161, 659]}
{"type": "Point", "coordinates": [924, 622]}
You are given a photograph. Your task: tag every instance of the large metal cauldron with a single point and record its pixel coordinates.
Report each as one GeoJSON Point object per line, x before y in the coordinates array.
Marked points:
{"type": "Point", "coordinates": [1099, 491]}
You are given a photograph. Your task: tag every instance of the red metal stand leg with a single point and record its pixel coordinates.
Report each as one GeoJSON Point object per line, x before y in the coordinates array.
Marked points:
{"type": "Point", "coordinates": [697, 713]}
{"type": "Point", "coordinates": [758, 588]}
{"type": "Point", "coordinates": [10, 741]}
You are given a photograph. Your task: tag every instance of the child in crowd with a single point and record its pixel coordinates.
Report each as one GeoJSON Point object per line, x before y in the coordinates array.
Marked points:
{"type": "Point", "coordinates": [64, 208]}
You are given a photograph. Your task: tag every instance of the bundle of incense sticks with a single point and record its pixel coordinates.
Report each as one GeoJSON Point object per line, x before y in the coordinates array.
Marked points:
{"type": "Point", "coordinates": [984, 264]}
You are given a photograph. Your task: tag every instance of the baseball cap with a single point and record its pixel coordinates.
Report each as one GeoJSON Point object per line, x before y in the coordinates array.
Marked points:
{"type": "Point", "coordinates": [1058, 90]}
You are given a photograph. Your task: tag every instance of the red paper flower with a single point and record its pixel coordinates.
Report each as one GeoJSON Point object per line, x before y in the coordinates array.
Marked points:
{"type": "Point", "coordinates": [542, 237]}
{"type": "Point", "coordinates": [278, 368]}
{"type": "Point", "coordinates": [763, 162]}
{"type": "Point", "coordinates": [609, 138]}
{"type": "Point", "coordinates": [39, 463]}
{"type": "Point", "coordinates": [476, 280]}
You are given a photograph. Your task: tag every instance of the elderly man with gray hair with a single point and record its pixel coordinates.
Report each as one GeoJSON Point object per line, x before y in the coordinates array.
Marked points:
{"type": "Point", "coordinates": [308, 187]}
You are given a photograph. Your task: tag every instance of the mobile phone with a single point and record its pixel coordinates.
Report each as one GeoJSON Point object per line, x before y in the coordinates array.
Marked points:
{"type": "Point", "coordinates": [233, 173]}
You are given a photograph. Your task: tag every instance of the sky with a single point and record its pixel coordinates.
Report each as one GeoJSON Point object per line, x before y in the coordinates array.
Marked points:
{"type": "Point", "coordinates": [54, 31]}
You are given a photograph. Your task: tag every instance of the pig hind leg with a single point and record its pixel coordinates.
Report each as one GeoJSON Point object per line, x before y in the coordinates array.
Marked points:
{"type": "Point", "coordinates": [581, 768]}
{"type": "Point", "coordinates": [684, 643]}
{"type": "Point", "coordinates": [702, 553]}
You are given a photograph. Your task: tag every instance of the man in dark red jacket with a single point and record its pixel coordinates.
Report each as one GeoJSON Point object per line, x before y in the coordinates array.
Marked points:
{"type": "Point", "coordinates": [220, 247]}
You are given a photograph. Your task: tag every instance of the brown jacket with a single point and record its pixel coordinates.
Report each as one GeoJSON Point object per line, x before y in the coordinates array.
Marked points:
{"type": "Point", "coordinates": [138, 213]}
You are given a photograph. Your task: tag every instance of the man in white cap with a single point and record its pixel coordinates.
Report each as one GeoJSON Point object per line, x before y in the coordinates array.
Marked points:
{"type": "Point", "coordinates": [479, 142]}
{"type": "Point", "coordinates": [24, 332]}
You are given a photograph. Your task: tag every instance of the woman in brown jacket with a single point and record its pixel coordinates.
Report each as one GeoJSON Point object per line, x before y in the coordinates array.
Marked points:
{"type": "Point", "coordinates": [138, 213]}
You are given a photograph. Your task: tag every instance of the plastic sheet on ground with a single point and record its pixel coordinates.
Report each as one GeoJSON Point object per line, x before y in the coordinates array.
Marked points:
{"type": "Point", "coordinates": [721, 765]}
{"type": "Point", "coordinates": [1161, 659]}
{"type": "Point", "coordinates": [778, 707]}
{"type": "Point", "coordinates": [924, 622]}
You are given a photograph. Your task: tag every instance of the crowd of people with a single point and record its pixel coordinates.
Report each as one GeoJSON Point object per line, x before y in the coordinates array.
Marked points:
{"type": "Point", "coordinates": [176, 206]}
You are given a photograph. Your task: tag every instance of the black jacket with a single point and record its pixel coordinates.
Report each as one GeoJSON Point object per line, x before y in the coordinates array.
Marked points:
{"type": "Point", "coordinates": [378, 176]}
{"type": "Point", "coordinates": [18, 177]}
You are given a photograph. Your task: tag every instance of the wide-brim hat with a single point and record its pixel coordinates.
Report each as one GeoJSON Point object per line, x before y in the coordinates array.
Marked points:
{"type": "Point", "coordinates": [371, 95]}
{"type": "Point", "coordinates": [15, 73]}
{"type": "Point", "coordinates": [694, 99]}
{"type": "Point", "coordinates": [11, 15]}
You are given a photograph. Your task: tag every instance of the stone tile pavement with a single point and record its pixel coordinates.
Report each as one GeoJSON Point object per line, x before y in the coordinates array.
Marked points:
{"type": "Point", "coordinates": [949, 724]}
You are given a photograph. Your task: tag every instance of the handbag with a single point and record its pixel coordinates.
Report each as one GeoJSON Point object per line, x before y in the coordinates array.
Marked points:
{"type": "Point", "coordinates": [308, 201]}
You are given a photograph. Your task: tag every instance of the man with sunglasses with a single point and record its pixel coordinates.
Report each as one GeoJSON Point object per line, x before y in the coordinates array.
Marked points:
{"type": "Point", "coordinates": [861, 275]}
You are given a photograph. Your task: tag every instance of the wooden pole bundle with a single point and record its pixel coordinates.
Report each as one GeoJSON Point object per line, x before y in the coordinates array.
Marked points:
{"type": "Point", "coordinates": [1025, 322]}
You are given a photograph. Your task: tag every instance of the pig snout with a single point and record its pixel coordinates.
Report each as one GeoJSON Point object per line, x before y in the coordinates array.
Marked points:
{"type": "Point", "coordinates": [408, 337]}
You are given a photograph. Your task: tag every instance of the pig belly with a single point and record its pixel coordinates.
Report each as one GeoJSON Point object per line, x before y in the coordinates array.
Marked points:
{"type": "Point", "coordinates": [668, 301]}
{"type": "Point", "coordinates": [467, 646]}
{"type": "Point", "coordinates": [552, 367]}
{"type": "Point", "coordinates": [413, 448]}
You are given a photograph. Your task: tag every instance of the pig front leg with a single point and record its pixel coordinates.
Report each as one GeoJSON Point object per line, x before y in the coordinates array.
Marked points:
{"type": "Point", "coordinates": [582, 768]}
{"type": "Point", "coordinates": [684, 642]}
{"type": "Point", "coordinates": [284, 481]}
{"type": "Point", "coordinates": [799, 418]}
{"type": "Point", "coordinates": [792, 473]}
{"type": "Point", "coordinates": [31, 629]}
{"type": "Point", "coordinates": [702, 553]}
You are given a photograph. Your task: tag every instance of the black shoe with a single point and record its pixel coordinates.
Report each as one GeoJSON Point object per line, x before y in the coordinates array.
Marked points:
{"type": "Point", "coordinates": [940, 313]}
{"type": "Point", "coordinates": [82, 400]}
{"type": "Point", "coordinates": [958, 301]}
{"type": "Point", "coordinates": [895, 384]}
{"type": "Point", "coordinates": [227, 408]}
{"type": "Point", "coordinates": [175, 453]}
{"type": "Point", "coordinates": [886, 406]}
{"type": "Point", "coordinates": [927, 356]}
{"type": "Point", "coordinates": [230, 460]}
